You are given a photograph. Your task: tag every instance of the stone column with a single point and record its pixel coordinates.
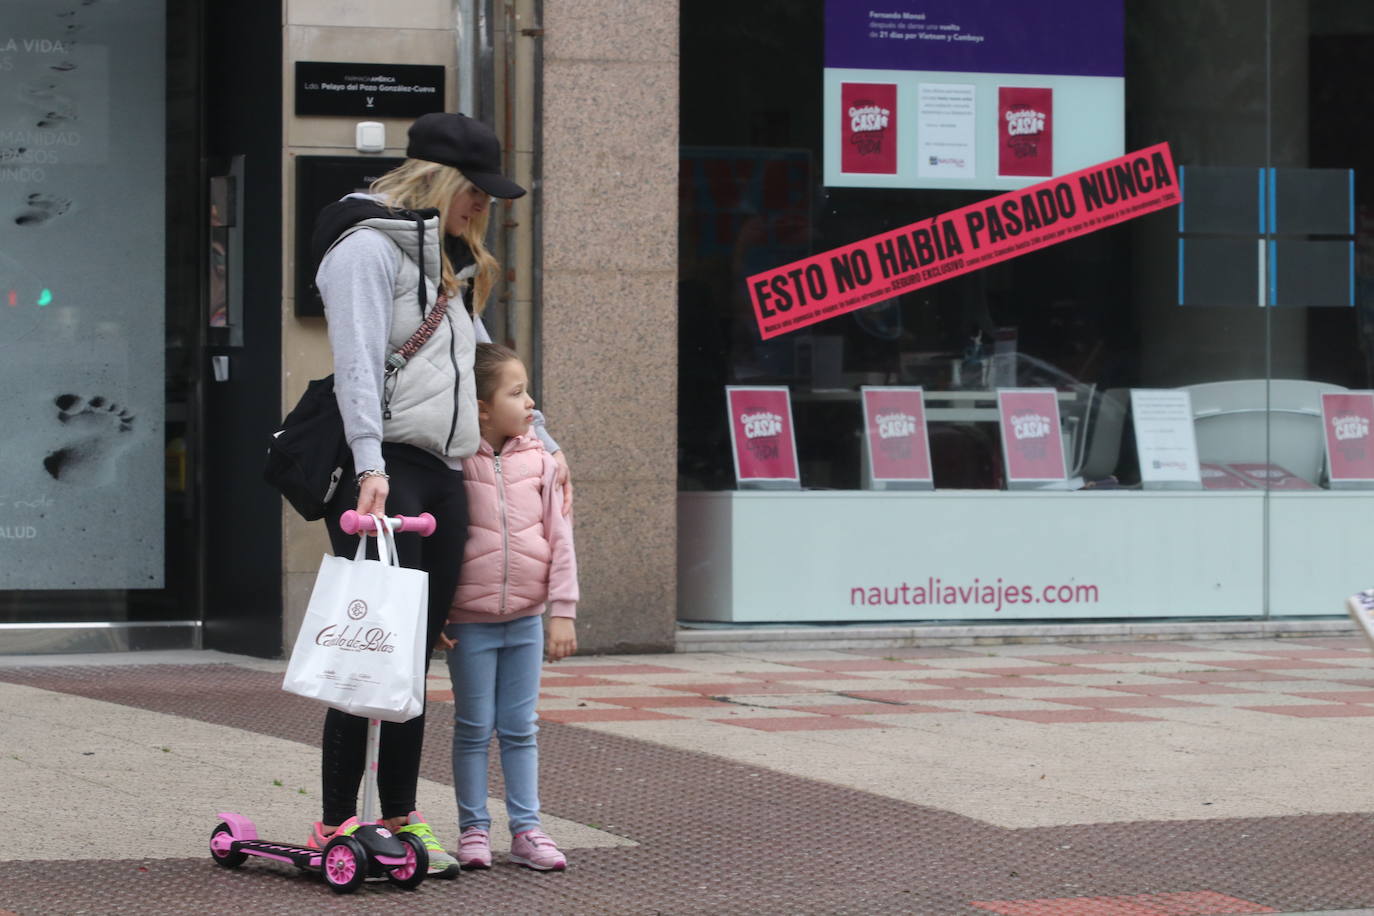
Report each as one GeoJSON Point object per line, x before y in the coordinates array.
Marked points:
{"type": "Point", "coordinates": [609, 306]}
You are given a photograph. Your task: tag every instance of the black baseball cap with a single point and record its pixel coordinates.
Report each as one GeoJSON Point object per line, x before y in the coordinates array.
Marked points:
{"type": "Point", "coordinates": [466, 144]}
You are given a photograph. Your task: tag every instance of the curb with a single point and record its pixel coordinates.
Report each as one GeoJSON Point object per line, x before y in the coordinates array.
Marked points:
{"type": "Point", "coordinates": [770, 638]}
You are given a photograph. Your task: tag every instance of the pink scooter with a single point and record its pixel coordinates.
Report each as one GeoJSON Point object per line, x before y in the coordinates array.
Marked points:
{"type": "Point", "coordinates": [371, 850]}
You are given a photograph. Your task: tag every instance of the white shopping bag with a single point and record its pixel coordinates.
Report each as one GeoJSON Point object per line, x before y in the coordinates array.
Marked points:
{"type": "Point", "coordinates": [361, 648]}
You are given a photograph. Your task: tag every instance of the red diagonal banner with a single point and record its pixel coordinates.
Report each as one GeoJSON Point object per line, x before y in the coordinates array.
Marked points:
{"type": "Point", "coordinates": [970, 238]}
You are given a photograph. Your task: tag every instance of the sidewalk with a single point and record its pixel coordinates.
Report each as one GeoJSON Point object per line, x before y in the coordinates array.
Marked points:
{"type": "Point", "coordinates": [1111, 779]}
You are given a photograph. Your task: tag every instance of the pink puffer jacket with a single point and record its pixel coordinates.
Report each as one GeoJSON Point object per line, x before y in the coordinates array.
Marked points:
{"type": "Point", "coordinates": [519, 551]}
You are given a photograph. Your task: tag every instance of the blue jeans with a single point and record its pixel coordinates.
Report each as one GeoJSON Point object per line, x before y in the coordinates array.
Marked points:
{"type": "Point", "coordinates": [495, 671]}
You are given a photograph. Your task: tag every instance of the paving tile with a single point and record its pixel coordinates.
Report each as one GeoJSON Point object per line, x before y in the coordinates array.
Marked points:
{"type": "Point", "coordinates": [1122, 702]}
{"type": "Point", "coordinates": [1105, 678]}
{"type": "Point", "coordinates": [918, 652]}
{"type": "Point", "coordinates": [549, 703]}
{"type": "Point", "coordinates": [865, 709]}
{"type": "Point", "coordinates": [971, 663]}
{"type": "Point", "coordinates": [435, 696]}
{"type": "Point", "coordinates": [1307, 653]}
{"type": "Point", "coordinates": [666, 702]}
{"type": "Point", "coordinates": [1025, 670]}
{"type": "Point", "coordinates": [1337, 710]}
{"type": "Point", "coordinates": [706, 714]}
{"type": "Point", "coordinates": [1184, 903]}
{"type": "Point", "coordinates": [929, 695]}
{"type": "Point", "coordinates": [740, 688]}
{"type": "Point", "coordinates": [1251, 699]}
{"type": "Point", "coordinates": [1275, 664]}
{"type": "Point", "coordinates": [1149, 647]}
{"type": "Point", "coordinates": [803, 724]}
{"type": "Point", "coordinates": [798, 675]}
{"type": "Point", "coordinates": [861, 664]}
{"type": "Point", "coordinates": [1093, 658]}
{"type": "Point", "coordinates": [601, 715]}
{"type": "Point", "coordinates": [1226, 676]}
{"type": "Point", "coordinates": [979, 683]}
{"type": "Point", "coordinates": [1340, 696]}
{"type": "Point", "coordinates": [1177, 688]}
{"type": "Point", "coordinates": [1056, 692]}
{"type": "Point", "coordinates": [1334, 642]}
{"type": "Point", "coordinates": [1154, 666]}
{"type": "Point", "coordinates": [575, 681]}
{"type": "Point", "coordinates": [622, 670]}
{"type": "Point", "coordinates": [993, 701]}
{"type": "Point", "coordinates": [618, 690]}
{"type": "Point", "coordinates": [1058, 716]}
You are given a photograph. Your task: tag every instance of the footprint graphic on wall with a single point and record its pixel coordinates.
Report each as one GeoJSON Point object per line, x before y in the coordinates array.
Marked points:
{"type": "Point", "coordinates": [41, 208]}
{"type": "Point", "coordinates": [95, 433]}
{"type": "Point", "coordinates": [46, 97]}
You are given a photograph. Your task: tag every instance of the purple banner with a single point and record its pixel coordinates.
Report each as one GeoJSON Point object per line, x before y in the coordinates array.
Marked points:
{"type": "Point", "coordinates": [1056, 37]}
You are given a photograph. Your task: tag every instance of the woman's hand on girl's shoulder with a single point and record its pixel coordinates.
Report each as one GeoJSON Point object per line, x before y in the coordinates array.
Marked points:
{"type": "Point", "coordinates": [562, 640]}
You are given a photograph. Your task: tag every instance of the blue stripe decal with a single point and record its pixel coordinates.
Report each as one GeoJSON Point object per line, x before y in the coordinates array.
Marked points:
{"type": "Point", "coordinates": [1273, 201]}
{"type": "Point", "coordinates": [1351, 173]}
{"type": "Point", "coordinates": [1180, 271]}
{"type": "Point", "coordinates": [1261, 201]}
{"type": "Point", "coordinates": [1273, 273]}
{"type": "Point", "coordinates": [1182, 201]}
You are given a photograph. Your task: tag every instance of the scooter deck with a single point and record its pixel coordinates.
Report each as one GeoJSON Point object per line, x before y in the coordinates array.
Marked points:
{"type": "Point", "coordinates": [301, 856]}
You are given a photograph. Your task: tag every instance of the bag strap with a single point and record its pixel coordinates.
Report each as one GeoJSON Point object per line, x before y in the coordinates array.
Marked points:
{"type": "Point", "coordinates": [397, 360]}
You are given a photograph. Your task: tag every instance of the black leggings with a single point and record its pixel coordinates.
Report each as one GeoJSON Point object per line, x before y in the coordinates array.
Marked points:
{"type": "Point", "coordinates": [419, 483]}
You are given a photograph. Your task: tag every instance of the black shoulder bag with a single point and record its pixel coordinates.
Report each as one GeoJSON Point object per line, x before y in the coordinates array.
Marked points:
{"type": "Point", "coordinates": [308, 456]}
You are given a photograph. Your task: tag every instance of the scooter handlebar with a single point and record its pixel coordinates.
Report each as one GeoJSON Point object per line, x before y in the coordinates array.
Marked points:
{"type": "Point", "coordinates": [423, 524]}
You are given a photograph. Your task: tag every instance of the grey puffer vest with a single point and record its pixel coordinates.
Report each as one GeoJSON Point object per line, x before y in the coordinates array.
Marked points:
{"type": "Point", "coordinates": [431, 402]}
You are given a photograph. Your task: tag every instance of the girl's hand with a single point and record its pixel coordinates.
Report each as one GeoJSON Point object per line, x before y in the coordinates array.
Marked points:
{"type": "Point", "coordinates": [564, 480]}
{"type": "Point", "coordinates": [562, 640]}
{"type": "Point", "coordinates": [443, 643]}
{"type": "Point", "coordinates": [372, 494]}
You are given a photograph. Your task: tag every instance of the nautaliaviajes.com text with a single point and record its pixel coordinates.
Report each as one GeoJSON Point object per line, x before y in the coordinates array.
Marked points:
{"type": "Point", "coordinates": [998, 594]}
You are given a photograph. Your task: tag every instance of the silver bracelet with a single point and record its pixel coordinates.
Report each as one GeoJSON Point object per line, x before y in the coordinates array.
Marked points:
{"type": "Point", "coordinates": [372, 472]}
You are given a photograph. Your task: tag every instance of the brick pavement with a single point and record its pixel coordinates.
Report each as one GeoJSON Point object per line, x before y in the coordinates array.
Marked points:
{"type": "Point", "coordinates": [1111, 780]}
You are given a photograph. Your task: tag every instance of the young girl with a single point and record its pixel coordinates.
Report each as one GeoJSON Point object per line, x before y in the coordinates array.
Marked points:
{"type": "Point", "coordinates": [519, 555]}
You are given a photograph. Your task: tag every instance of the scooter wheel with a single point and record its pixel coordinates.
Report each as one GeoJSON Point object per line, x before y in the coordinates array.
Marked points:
{"type": "Point", "coordinates": [222, 849]}
{"type": "Point", "coordinates": [416, 868]}
{"type": "Point", "coordinates": [344, 864]}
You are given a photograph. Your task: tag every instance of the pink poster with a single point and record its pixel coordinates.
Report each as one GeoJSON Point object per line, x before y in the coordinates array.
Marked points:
{"type": "Point", "coordinates": [1347, 419]}
{"type": "Point", "coordinates": [1025, 132]}
{"type": "Point", "coordinates": [868, 138]}
{"type": "Point", "coordinates": [1031, 444]}
{"type": "Point", "coordinates": [1269, 476]}
{"type": "Point", "coordinates": [761, 434]}
{"type": "Point", "coordinates": [895, 424]}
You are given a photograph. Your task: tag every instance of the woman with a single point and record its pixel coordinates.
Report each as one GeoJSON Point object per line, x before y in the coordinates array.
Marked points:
{"type": "Point", "coordinates": [386, 258]}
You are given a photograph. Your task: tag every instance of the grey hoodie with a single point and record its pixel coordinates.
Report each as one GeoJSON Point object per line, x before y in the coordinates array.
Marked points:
{"type": "Point", "coordinates": [358, 280]}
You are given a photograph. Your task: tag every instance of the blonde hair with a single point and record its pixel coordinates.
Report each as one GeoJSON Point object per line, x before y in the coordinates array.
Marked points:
{"type": "Point", "coordinates": [419, 185]}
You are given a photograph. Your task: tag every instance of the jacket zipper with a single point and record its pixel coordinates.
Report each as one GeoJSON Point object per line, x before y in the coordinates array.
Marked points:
{"type": "Point", "coordinates": [505, 533]}
{"type": "Point", "coordinates": [457, 377]}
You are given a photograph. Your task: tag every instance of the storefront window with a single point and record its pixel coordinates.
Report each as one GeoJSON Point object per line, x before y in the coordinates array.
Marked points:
{"type": "Point", "coordinates": [94, 522]}
{"type": "Point", "coordinates": [811, 126]}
